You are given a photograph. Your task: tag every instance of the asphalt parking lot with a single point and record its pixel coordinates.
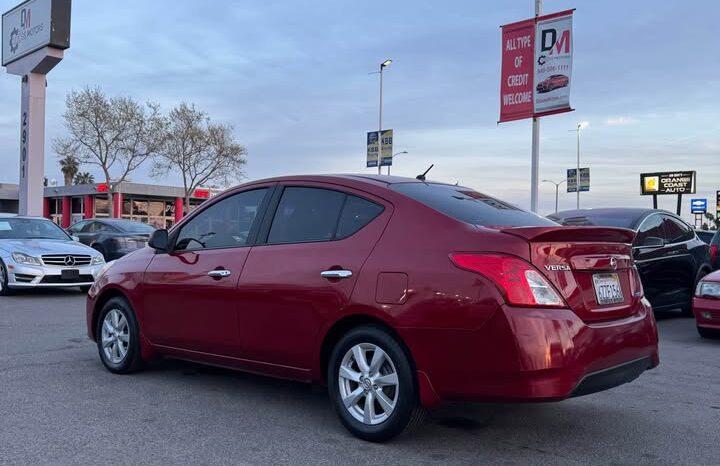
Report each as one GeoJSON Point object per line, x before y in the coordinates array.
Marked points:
{"type": "Point", "coordinates": [58, 405]}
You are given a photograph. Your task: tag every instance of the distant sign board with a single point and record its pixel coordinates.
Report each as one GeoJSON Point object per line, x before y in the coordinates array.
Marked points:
{"type": "Point", "coordinates": [35, 24]}
{"type": "Point", "coordinates": [698, 206]}
{"type": "Point", "coordinates": [536, 67]}
{"type": "Point", "coordinates": [385, 155]}
{"type": "Point", "coordinates": [667, 183]}
{"type": "Point", "coordinates": [572, 180]}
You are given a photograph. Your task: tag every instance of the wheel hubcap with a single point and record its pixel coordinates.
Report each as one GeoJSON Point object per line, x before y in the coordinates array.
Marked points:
{"type": "Point", "coordinates": [368, 383]}
{"type": "Point", "coordinates": [2, 277]}
{"type": "Point", "coordinates": [115, 336]}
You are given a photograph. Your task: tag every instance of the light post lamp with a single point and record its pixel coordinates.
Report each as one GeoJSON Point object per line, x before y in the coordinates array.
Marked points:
{"type": "Point", "coordinates": [581, 125]}
{"type": "Point", "coordinates": [387, 62]}
{"type": "Point", "coordinates": [393, 158]}
{"type": "Point", "coordinates": [557, 190]}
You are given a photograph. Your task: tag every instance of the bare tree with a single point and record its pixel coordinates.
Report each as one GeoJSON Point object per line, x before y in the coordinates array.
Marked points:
{"type": "Point", "coordinates": [200, 151]}
{"type": "Point", "coordinates": [115, 133]}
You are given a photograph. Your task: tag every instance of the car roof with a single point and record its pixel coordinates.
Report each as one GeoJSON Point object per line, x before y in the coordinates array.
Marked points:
{"type": "Point", "coordinates": [27, 217]}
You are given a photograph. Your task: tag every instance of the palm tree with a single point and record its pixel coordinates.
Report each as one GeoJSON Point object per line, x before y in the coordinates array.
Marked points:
{"type": "Point", "coordinates": [84, 178]}
{"type": "Point", "coordinates": [69, 166]}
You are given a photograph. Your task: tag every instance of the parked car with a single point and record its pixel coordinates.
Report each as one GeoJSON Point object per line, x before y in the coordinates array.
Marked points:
{"type": "Point", "coordinates": [36, 253]}
{"type": "Point", "coordinates": [706, 306]}
{"type": "Point", "coordinates": [712, 238]}
{"type": "Point", "coordinates": [553, 82]}
{"type": "Point", "coordinates": [397, 293]}
{"type": "Point", "coordinates": [668, 253]}
{"type": "Point", "coordinates": [113, 238]}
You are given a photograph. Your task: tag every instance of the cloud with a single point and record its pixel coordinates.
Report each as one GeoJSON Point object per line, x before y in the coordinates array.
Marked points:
{"type": "Point", "coordinates": [620, 121]}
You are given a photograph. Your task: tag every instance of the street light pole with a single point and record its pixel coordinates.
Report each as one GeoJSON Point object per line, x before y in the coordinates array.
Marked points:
{"type": "Point", "coordinates": [393, 158]}
{"type": "Point", "coordinates": [557, 190]}
{"type": "Point", "coordinates": [379, 161]}
{"type": "Point", "coordinates": [581, 125]}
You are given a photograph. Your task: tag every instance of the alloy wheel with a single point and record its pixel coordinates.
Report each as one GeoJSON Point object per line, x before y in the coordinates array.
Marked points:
{"type": "Point", "coordinates": [115, 336]}
{"type": "Point", "coordinates": [2, 277]}
{"type": "Point", "coordinates": [368, 383]}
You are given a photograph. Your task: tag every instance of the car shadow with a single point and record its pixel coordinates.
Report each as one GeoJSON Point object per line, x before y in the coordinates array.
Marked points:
{"type": "Point", "coordinates": [70, 291]}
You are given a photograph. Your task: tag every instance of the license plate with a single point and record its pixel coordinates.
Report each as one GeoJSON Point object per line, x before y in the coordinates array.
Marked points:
{"type": "Point", "coordinates": [70, 274]}
{"type": "Point", "coordinates": [607, 288]}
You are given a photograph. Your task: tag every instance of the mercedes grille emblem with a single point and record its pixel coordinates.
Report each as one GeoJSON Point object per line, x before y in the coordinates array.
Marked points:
{"type": "Point", "coordinates": [613, 263]}
{"type": "Point", "coordinates": [69, 260]}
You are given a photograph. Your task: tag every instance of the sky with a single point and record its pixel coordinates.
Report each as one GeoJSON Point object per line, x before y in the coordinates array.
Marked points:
{"type": "Point", "coordinates": [293, 80]}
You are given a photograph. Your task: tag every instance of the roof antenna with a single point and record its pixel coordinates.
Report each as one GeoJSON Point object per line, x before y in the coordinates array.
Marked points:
{"type": "Point", "coordinates": [422, 177]}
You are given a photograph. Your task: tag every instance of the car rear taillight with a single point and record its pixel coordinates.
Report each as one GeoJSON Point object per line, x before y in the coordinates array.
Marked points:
{"type": "Point", "coordinates": [638, 290]}
{"type": "Point", "coordinates": [713, 252]}
{"type": "Point", "coordinates": [518, 280]}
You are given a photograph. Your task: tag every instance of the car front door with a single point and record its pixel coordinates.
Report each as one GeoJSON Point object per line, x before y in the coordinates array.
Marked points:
{"type": "Point", "coordinates": [314, 247]}
{"type": "Point", "coordinates": [190, 298]}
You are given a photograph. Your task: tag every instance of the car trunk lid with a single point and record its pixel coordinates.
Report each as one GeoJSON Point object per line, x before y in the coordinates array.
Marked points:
{"type": "Point", "coordinates": [587, 265]}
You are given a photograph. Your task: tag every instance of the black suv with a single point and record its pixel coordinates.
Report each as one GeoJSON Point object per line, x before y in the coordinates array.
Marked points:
{"type": "Point", "coordinates": [669, 255]}
{"type": "Point", "coordinates": [712, 238]}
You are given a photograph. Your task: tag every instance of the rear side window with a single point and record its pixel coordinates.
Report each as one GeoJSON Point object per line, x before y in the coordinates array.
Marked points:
{"type": "Point", "coordinates": [676, 231]}
{"type": "Point", "coordinates": [470, 206]}
{"type": "Point", "coordinates": [315, 214]}
{"type": "Point", "coordinates": [651, 227]}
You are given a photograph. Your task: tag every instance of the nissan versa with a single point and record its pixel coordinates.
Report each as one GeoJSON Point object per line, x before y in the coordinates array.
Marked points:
{"type": "Point", "coordinates": [398, 294]}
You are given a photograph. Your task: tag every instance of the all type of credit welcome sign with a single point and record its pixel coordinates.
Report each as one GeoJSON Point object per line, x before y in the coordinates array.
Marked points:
{"type": "Point", "coordinates": [536, 66]}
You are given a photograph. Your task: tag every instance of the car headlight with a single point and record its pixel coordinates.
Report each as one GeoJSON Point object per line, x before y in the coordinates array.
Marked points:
{"type": "Point", "coordinates": [97, 260]}
{"type": "Point", "coordinates": [21, 258]}
{"type": "Point", "coordinates": [708, 290]}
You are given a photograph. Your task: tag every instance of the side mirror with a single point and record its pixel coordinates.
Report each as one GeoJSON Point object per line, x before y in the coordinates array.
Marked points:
{"type": "Point", "coordinates": [651, 242]}
{"type": "Point", "coordinates": [159, 240]}
{"type": "Point", "coordinates": [75, 238]}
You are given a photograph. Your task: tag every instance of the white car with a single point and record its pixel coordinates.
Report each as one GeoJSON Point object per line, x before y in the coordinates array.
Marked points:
{"type": "Point", "coordinates": [36, 253]}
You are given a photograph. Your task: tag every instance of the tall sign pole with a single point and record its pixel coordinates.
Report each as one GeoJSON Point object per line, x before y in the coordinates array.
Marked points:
{"type": "Point", "coordinates": [536, 75]}
{"type": "Point", "coordinates": [34, 35]}
{"type": "Point", "coordinates": [535, 162]}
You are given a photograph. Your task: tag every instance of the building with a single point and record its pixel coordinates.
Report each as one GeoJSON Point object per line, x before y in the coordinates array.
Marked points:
{"type": "Point", "coordinates": [160, 206]}
{"type": "Point", "coordinates": [9, 197]}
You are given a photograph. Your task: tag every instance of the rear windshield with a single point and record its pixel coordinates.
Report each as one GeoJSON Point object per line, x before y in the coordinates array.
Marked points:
{"type": "Point", "coordinates": [470, 206]}
{"type": "Point", "coordinates": [619, 220]}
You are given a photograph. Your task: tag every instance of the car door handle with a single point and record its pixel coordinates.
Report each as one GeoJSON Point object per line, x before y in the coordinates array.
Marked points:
{"type": "Point", "coordinates": [336, 274]}
{"type": "Point", "coordinates": [219, 273]}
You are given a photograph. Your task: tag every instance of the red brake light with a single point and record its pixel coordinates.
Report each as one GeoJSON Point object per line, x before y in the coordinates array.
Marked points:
{"type": "Point", "coordinates": [519, 281]}
{"type": "Point", "coordinates": [713, 252]}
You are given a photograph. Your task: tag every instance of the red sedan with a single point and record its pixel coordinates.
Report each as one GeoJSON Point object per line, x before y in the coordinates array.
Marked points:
{"type": "Point", "coordinates": [706, 306]}
{"type": "Point", "coordinates": [553, 82]}
{"type": "Point", "coordinates": [398, 294]}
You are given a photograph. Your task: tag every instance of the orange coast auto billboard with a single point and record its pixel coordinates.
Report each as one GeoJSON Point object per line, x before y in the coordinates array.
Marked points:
{"type": "Point", "coordinates": [536, 69]}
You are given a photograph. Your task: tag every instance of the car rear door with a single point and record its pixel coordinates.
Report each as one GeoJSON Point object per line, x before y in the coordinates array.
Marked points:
{"type": "Point", "coordinates": [680, 240]}
{"type": "Point", "coordinates": [304, 269]}
{"type": "Point", "coordinates": [189, 295]}
{"type": "Point", "coordinates": [650, 253]}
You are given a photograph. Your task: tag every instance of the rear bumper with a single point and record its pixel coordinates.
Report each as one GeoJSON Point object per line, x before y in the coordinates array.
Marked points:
{"type": "Point", "coordinates": [707, 313]}
{"type": "Point", "coordinates": [528, 355]}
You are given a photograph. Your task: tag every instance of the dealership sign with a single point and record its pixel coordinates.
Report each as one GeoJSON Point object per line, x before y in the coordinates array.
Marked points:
{"type": "Point", "coordinates": [572, 180]}
{"type": "Point", "coordinates": [372, 148]}
{"type": "Point", "coordinates": [536, 70]}
{"type": "Point", "coordinates": [698, 206]}
{"type": "Point", "coordinates": [667, 183]}
{"type": "Point", "coordinates": [33, 25]}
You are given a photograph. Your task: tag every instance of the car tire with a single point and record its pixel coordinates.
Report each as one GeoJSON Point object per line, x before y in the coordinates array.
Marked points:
{"type": "Point", "coordinates": [384, 392]}
{"type": "Point", "coordinates": [687, 310]}
{"type": "Point", "coordinates": [709, 333]}
{"type": "Point", "coordinates": [4, 278]}
{"type": "Point", "coordinates": [118, 337]}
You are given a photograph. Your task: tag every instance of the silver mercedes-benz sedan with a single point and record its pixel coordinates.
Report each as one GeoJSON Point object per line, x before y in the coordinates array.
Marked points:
{"type": "Point", "coordinates": [35, 253]}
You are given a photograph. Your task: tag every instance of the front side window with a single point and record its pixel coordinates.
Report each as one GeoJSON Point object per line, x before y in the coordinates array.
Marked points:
{"type": "Point", "coordinates": [225, 224]}
{"type": "Point", "coordinates": [676, 231]}
{"type": "Point", "coordinates": [77, 228]}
